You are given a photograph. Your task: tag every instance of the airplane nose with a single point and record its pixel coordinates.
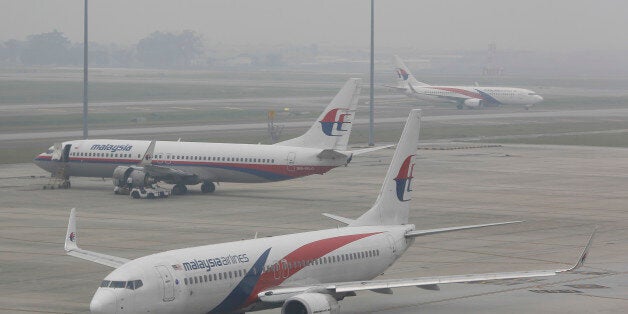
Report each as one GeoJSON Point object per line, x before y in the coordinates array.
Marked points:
{"type": "Point", "coordinates": [103, 302]}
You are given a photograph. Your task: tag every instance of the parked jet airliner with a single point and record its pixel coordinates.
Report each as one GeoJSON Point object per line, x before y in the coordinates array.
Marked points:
{"type": "Point", "coordinates": [301, 273]}
{"type": "Point", "coordinates": [322, 148]}
{"type": "Point", "coordinates": [464, 96]}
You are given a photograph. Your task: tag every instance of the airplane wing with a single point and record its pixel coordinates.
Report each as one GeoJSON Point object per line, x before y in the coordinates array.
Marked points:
{"type": "Point", "coordinates": [72, 249]}
{"type": "Point", "coordinates": [281, 294]}
{"type": "Point", "coordinates": [166, 173]}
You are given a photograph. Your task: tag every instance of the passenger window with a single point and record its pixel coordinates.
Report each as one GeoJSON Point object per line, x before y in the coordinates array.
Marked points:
{"type": "Point", "coordinates": [205, 278]}
{"type": "Point", "coordinates": [195, 279]}
{"type": "Point", "coordinates": [215, 277]}
{"type": "Point", "coordinates": [185, 280]}
{"type": "Point", "coordinates": [220, 276]}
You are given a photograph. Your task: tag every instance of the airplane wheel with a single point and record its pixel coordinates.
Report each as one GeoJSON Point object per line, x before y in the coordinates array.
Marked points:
{"type": "Point", "coordinates": [150, 195]}
{"type": "Point", "coordinates": [208, 187]}
{"type": "Point", "coordinates": [135, 194]}
{"type": "Point", "coordinates": [179, 189]}
{"type": "Point", "coordinates": [459, 106]}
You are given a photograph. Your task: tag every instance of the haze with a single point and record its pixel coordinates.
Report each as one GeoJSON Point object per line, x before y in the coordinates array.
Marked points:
{"type": "Point", "coordinates": [536, 25]}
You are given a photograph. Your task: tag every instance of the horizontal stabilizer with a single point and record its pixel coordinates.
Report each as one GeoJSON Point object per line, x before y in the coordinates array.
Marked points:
{"type": "Point", "coordinates": [338, 218]}
{"type": "Point", "coordinates": [370, 149]}
{"type": "Point", "coordinates": [418, 233]}
{"type": "Point", "coordinates": [72, 249]}
{"type": "Point", "coordinates": [331, 154]}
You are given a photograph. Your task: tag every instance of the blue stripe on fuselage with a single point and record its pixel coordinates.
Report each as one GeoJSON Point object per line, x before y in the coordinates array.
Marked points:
{"type": "Point", "coordinates": [243, 290]}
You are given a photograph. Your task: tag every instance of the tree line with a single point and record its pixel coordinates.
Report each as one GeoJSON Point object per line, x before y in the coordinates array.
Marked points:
{"type": "Point", "coordinates": [159, 49]}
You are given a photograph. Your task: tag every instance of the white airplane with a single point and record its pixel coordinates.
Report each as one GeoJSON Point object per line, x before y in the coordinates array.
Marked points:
{"type": "Point", "coordinates": [464, 96]}
{"type": "Point", "coordinates": [322, 148]}
{"type": "Point", "coordinates": [301, 273]}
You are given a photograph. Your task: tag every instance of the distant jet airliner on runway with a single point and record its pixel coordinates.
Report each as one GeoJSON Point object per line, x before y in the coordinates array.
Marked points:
{"type": "Point", "coordinates": [322, 148]}
{"type": "Point", "coordinates": [463, 96]}
{"type": "Point", "coordinates": [301, 273]}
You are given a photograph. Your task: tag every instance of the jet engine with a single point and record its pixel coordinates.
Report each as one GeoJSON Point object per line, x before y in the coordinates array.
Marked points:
{"type": "Point", "coordinates": [139, 178]}
{"type": "Point", "coordinates": [309, 303]}
{"type": "Point", "coordinates": [473, 103]}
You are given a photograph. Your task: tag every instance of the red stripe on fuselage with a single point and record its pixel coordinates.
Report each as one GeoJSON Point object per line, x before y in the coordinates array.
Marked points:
{"type": "Point", "coordinates": [308, 252]}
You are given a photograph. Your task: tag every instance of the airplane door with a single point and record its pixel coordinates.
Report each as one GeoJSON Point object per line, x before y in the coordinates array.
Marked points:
{"type": "Point", "coordinates": [56, 152]}
{"type": "Point", "coordinates": [167, 282]}
{"type": "Point", "coordinates": [65, 156]}
{"type": "Point", "coordinates": [285, 272]}
{"type": "Point", "coordinates": [291, 159]}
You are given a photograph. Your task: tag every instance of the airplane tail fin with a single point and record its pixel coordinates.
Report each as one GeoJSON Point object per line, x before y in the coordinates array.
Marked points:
{"type": "Point", "coordinates": [333, 127]}
{"type": "Point", "coordinates": [392, 206]}
{"type": "Point", "coordinates": [404, 76]}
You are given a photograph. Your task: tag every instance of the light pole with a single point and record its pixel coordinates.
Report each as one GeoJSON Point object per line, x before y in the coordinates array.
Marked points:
{"type": "Point", "coordinates": [371, 102]}
{"type": "Point", "coordinates": [85, 73]}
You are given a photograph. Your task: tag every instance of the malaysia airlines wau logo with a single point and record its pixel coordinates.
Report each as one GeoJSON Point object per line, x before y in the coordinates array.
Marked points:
{"type": "Point", "coordinates": [72, 236]}
{"type": "Point", "coordinates": [404, 178]}
{"type": "Point", "coordinates": [402, 74]}
{"type": "Point", "coordinates": [333, 121]}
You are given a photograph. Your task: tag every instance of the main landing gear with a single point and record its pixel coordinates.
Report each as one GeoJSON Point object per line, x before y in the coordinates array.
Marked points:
{"type": "Point", "coordinates": [208, 187]}
{"type": "Point", "coordinates": [179, 189]}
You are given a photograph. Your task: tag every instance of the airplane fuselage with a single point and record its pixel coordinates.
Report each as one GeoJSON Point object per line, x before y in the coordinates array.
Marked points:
{"type": "Point", "coordinates": [215, 162]}
{"type": "Point", "coordinates": [473, 96]}
{"type": "Point", "coordinates": [227, 277]}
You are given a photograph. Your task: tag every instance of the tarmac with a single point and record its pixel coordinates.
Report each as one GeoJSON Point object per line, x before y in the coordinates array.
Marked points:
{"type": "Point", "coordinates": [562, 193]}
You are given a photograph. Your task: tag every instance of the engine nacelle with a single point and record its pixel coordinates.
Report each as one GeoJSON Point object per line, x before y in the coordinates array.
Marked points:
{"type": "Point", "coordinates": [122, 174]}
{"type": "Point", "coordinates": [311, 303]}
{"type": "Point", "coordinates": [473, 103]}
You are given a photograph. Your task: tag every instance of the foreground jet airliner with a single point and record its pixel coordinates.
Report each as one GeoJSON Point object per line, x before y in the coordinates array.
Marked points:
{"type": "Point", "coordinates": [464, 96]}
{"type": "Point", "coordinates": [322, 148]}
{"type": "Point", "coordinates": [301, 273]}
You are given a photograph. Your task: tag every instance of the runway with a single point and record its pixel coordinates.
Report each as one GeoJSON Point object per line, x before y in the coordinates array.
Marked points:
{"type": "Point", "coordinates": [562, 193]}
{"type": "Point", "coordinates": [590, 113]}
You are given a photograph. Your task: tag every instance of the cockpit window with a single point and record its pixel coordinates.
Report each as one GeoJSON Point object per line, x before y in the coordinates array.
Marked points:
{"type": "Point", "coordinates": [134, 284]}
{"type": "Point", "coordinates": [131, 284]}
{"type": "Point", "coordinates": [117, 284]}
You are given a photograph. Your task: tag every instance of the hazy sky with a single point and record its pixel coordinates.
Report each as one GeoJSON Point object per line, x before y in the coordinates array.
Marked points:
{"type": "Point", "coordinates": [564, 25]}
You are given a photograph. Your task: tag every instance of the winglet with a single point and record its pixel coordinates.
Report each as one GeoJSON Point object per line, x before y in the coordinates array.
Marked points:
{"type": "Point", "coordinates": [584, 255]}
{"type": "Point", "coordinates": [72, 249]}
{"type": "Point", "coordinates": [148, 155]}
{"type": "Point", "coordinates": [70, 236]}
